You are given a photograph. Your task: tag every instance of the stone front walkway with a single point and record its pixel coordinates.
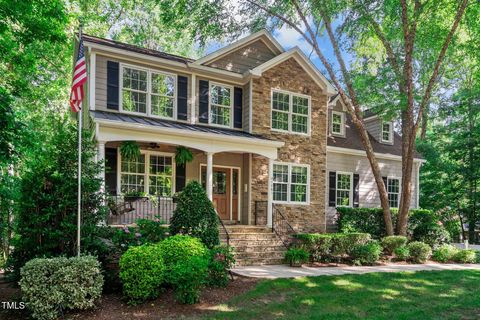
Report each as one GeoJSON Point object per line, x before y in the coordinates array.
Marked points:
{"type": "Point", "coordinates": [284, 271]}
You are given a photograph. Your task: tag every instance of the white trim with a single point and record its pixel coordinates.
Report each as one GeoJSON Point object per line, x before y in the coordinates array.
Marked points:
{"type": "Point", "coordinates": [249, 197]}
{"type": "Point", "coordinates": [307, 65]}
{"type": "Point", "coordinates": [239, 186]}
{"type": "Point", "coordinates": [290, 112]}
{"type": "Point", "coordinates": [193, 99]}
{"type": "Point", "coordinates": [241, 43]}
{"type": "Point", "coordinates": [289, 183]}
{"type": "Point", "coordinates": [146, 174]}
{"type": "Point", "coordinates": [148, 106]}
{"type": "Point", "coordinates": [92, 78]}
{"type": "Point", "coordinates": [212, 84]}
{"type": "Point", "coordinates": [355, 152]}
{"type": "Point", "coordinates": [342, 124]}
{"type": "Point", "coordinates": [350, 196]}
{"type": "Point", "coordinates": [110, 130]}
{"type": "Point", "coordinates": [417, 205]}
{"type": "Point", "coordinates": [399, 189]}
{"type": "Point", "coordinates": [250, 106]}
{"type": "Point", "coordinates": [390, 132]}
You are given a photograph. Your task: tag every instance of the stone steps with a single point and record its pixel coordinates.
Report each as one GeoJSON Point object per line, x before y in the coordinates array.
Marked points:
{"type": "Point", "coordinates": [254, 245]}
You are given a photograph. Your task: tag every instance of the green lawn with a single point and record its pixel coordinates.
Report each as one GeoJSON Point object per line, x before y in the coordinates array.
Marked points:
{"type": "Point", "coordinates": [420, 295]}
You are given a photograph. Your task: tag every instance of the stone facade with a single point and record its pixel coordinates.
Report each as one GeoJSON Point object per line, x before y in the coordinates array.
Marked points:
{"type": "Point", "coordinates": [302, 149]}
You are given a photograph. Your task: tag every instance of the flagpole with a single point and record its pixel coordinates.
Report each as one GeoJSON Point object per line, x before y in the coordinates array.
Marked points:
{"type": "Point", "coordinates": [79, 198]}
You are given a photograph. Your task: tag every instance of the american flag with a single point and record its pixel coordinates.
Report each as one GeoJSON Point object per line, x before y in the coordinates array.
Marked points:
{"type": "Point", "coordinates": [79, 78]}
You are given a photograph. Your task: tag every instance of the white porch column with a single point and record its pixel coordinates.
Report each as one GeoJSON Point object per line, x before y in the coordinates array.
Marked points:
{"type": "Point", "coordinates": [270, 193]}
{"type": "Point", "coordinates": [101, 160]}
{"type": "Point", "coordinates": [210, 175]}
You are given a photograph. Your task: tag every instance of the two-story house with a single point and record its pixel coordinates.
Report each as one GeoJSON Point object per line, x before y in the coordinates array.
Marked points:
{"type": "Point", "coordinates": [266, 129]}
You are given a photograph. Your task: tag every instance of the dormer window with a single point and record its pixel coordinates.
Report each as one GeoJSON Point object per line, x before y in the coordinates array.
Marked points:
{"type": "Point", "coordinates": [338, 123]}
{"type": "Point", "coordinates": [387, 132]}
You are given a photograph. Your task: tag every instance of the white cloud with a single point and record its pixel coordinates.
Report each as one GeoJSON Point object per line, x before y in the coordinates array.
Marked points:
{"type": "Point", "coordinates": [289, 38]}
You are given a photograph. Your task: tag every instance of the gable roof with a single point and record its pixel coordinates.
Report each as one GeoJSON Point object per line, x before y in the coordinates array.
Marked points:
{"type": "Point", "coordinates": [353, 141]}
{"type": "Point", "coordinates": [262, 35]}
{"type": "Point", "coordinates": [133, 48]}
{"type": "Point", "coordinates": [304, 61]}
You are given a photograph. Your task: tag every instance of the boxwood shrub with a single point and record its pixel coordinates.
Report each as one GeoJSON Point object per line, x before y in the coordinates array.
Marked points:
{"type": "Point", "coordinates": [391, 243]}
{"type": "Point", "coordinates": [366, 254]}
{"type": "Point", "coordinates": [142, 272]}
{"type": "Point", "coordinates": [420, 252]}
{"type": "Point", "coordinates": [51, 286]}
{"type": "Point", "coordinates": [444, 253]}
{"type": "Point", "coordinates": [465, 256]}
{"type": "Point", "coordinates": [402, 253]}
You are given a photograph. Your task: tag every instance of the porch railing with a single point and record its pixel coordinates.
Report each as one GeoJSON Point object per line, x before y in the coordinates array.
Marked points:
{"type": "Point", "coordinates": [227, 235]}
{"type": "Point", "coordinates": [127, 210]}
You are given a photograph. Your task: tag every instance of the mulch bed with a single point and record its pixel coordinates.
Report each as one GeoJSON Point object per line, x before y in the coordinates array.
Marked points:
{"type": "Point", "coordinates": [111, 306]}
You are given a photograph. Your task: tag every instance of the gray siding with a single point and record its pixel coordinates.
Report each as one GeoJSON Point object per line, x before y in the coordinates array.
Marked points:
{"type": "Point", "coordinates": [374, 127]}
{"type": "Point", "coordinates": [368, 189]}
{"type": "Point", "coordinates": [101, 81]}
{"type": "Point", "coordinates": [244, 58]}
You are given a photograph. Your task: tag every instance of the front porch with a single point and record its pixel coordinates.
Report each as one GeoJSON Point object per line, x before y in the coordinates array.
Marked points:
{"type": "Point", "coordinates": [222, 162]}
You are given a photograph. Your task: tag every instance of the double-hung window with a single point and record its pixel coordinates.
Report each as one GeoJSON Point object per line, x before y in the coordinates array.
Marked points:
{"type": "Point", "coordinates": [338, 125]}
{"type": "Point", "coordinates": [290, 112]}
{"type": "Point", "coordinates": [148, 92]}
{"type": "Point", "coordinates": [387, 132]}
{"type": "Point", "coordinates": [344, 190]}
{"type": "Point", "coordinates": [221, 105]}
{"type": "Point", "coordinates": [291, 183]}
{"type": "Point", "coordinates": [151, 173]}
{"type": "Point", "coordinates": [393, 189]}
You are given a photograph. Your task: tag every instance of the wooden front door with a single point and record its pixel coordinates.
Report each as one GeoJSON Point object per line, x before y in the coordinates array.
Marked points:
{"type": "Point", "coordinates": [221, 192]}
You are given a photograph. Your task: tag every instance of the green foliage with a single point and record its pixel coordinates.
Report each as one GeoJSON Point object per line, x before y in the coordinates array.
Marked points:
{"type": "Point", "coordinates": [444, 253]}
{"type": "Point", "coordinates": [46, 213]}
{"type": "Point", "coordinates": [391, 243]}
{"type": "Point", "coordinates": [188, 277]}
{"type": "Point", "coordinates": [420, 252]}
{"type": "Point", "coordinates": [366, 254]}
{"type": "Point", "coordinates": [142, 272]}
{"type": "Point", "coordinates": [130, 150]}
{"type": "Point", "coordinates": [296, 256]}
{"type": "Point", "coordinates": [183, 155]}
{"type": "Point", "coordinates": [425, 226]}
{"type": "Point", "coordinates": [221, 261]}
{"type": "Point", "coordinates": [195, 215]}
{"type": "Point", "coordinates": [145, 231]}
{"type": "Point", "coordinates": [51, 286]}
{"type": "Point", "coordinates": [181, 247]}
{"type": "Point", "coordinates": [367, 220]}
{"type": "Point", "coordinates": [329, 246]}
{"type": "Point", "coordinates": [402, 253]}
{"type": "Point", "coordinates": [465, 256]}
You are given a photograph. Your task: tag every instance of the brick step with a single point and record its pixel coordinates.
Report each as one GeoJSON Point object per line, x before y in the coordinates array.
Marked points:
{"type": "Point", "coordinates": [259, 248]}
{"type": "Point", "coordinates": [258, 261]}
{"type": "Point", "coordinates": [249, 236]}
{"type": "Point", "coordinates": [245, 242]}
{"type": "Point", "coordinates": [260, 254]}
{"type": "Point", "coordinates": [245, 229]}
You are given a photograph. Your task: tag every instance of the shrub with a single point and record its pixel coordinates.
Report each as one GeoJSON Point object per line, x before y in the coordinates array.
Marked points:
{"type": "Point", "coordinates": [142, 272]}
{"type": "Point", "coordinates": [349, 241]}
{"type": "Point", "coordinates": [365, 220]}
{"type": "Point", "coordinates": [188, 277]}
{"type": "Point", "coordinates": [221, 261]}
{"type": "Point", "coordinates": [50, 286]}
{"type": "Point", "coordinates": [296, 256]}
{"type": "Point", "coordinates": [181, 247]}
{"type": "Point", "coordinates": [151, 231]}
{"type": "Point", "coordinates": [465, 256]}
{"type": "Point", "coordinates": [420, 252]}
{"type": "Point", "coordinates": [195, 215]}
{"type": "Point", "coordinates": [425, 226]}
{"type": "Point", "coordinates": [366, 254]}
{"type": "Point", "coordinates": [391, 243]}
{"type": "Point", "coordinates": [402, 253]}
{"type": "Point", "coordinates": [125, 237]}
{"type": "Point", "coordinates": [444, 253]}
{"type": "Point", "coordinates": [317, 245]}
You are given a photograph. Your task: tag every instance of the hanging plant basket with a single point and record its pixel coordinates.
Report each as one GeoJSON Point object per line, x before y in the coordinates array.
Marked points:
{"type": "Point", "coordinates": [130, 150]}
{"type": "Point", "coordinates": [183, 155]}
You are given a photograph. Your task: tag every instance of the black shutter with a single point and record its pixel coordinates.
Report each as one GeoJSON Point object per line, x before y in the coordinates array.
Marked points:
{"type": "Point", "coordinates": [332, 188]}
{"type": "Point", "coordinates": [237, 107]}
{"type": "Point", "coordinates": [385, 181]}
{"type": "Point", "coordinates": [113, 79]}
{"type": "Point", "coordinates": [182, 98]}
{"type": "Point", "coordinates": [111, 170]}
{"type": "Point", "coordinates": [180, 177]}
{"type": "Point", "coordinates": [203, 101]}
{"type": "Point", "coordinates": [356, 190]}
